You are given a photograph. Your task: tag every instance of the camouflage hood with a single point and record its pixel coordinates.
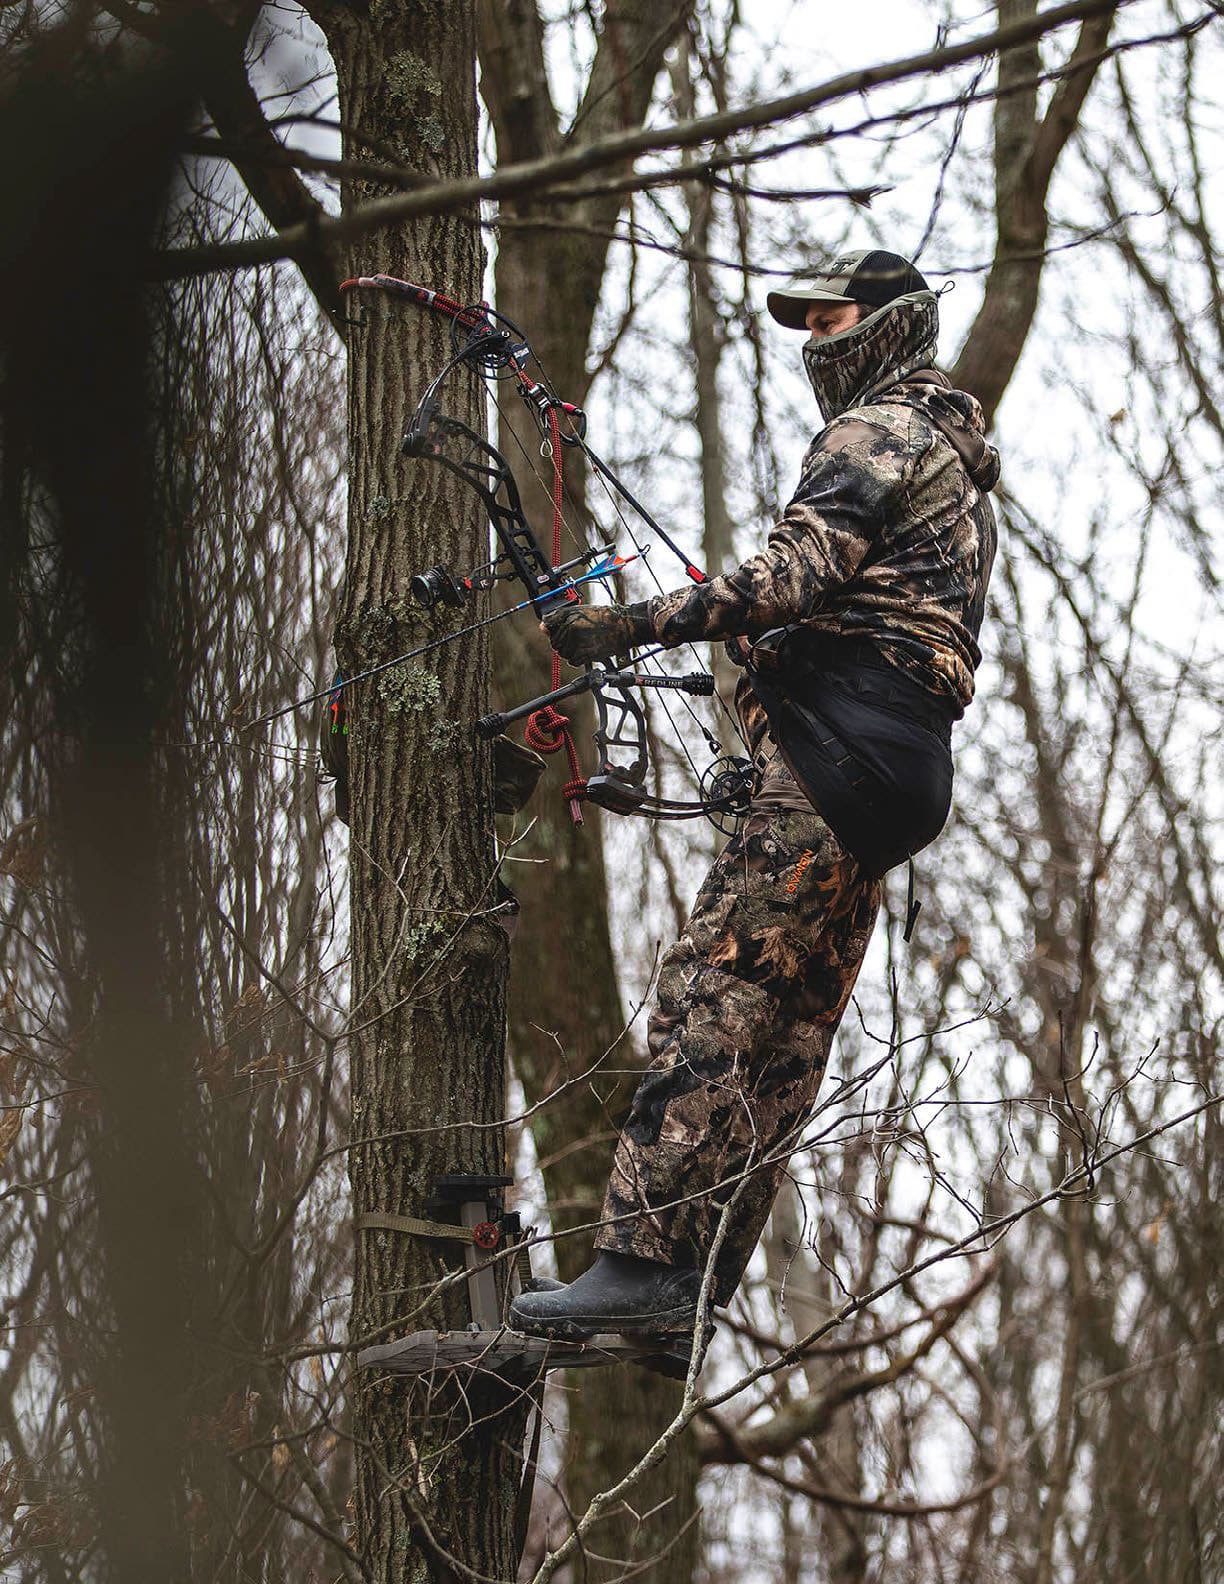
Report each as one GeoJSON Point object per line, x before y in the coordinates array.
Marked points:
{"type": "Point", "coordinates": [847, 369]}
{"type": "Point", "coordinates": [956, 414]}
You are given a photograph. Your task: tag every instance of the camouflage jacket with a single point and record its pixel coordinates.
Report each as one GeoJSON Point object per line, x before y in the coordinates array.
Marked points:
{"type": "Point", "coordinates": [889, 538]}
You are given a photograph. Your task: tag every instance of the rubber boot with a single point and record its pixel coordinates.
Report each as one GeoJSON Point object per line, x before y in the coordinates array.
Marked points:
{"type": "Point", "coordinates": [619, 1293]}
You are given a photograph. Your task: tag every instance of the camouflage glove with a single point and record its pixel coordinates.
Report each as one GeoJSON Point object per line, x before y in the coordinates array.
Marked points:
{"type": "Point", "coordinates": [594, 632]}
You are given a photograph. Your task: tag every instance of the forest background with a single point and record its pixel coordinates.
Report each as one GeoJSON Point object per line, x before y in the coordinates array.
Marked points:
{"type": "Point", "coordinates": [980, 1340]}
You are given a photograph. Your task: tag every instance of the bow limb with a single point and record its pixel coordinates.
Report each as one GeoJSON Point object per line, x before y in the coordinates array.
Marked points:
{"type": "Point", "coordinates": [623, 730]}
{"type": "Point", "coordinates": [482, 466]}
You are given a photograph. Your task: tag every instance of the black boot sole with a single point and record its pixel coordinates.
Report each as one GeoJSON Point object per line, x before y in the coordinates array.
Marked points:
{"type": "Point", "coordinates": [581, 1328]}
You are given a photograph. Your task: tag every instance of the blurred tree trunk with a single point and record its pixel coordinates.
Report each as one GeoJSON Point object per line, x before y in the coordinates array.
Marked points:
{"type": "Point", "coordinates": [804, 1291]}
{"type": "Point", "coordinates": [83, 552]}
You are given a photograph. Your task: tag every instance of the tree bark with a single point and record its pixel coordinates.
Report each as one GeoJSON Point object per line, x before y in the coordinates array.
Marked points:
{"type": "Point", "coordinates": [437, 1471]}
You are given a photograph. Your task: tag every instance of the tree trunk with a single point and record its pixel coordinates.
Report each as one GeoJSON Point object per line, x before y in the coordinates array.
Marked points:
{"type": "Point", "coordinates": [83, 545]}
{"type": "Point", "coordinates": [549, 278]}
{"type": "Point", "coordinates": [1027, 148]}
{"type": "Point", "coordinates": [707, 338]}
{"type": "Point", "coordinates": [437, 1472]}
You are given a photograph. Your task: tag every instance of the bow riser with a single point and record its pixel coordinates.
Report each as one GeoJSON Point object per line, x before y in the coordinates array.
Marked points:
{"type": "Point", "coordinates": [484, 469]}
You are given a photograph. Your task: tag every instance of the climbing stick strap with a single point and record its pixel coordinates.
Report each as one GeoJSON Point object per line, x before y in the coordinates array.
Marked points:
{"type": "Point", "coordinates": [377, 1222]}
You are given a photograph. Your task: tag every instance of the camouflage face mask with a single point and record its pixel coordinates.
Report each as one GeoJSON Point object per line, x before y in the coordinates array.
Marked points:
{"type": "Point", "coordinates": [846, 369]}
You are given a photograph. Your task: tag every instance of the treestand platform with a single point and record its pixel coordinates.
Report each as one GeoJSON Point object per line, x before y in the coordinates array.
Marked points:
{"type": "Point", "coordinates": [486, 1344]}
{"type": "Point", "coordinates": [506, 1352]}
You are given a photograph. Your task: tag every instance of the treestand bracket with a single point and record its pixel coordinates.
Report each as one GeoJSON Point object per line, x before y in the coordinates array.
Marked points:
{"type": "Point", "coordinates": [487, 1345]}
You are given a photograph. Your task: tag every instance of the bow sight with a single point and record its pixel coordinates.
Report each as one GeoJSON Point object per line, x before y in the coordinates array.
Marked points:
{"type": "Point", "coordinates": [438, 586]}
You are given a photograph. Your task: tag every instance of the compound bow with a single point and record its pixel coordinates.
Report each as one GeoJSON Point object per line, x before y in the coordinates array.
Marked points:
{"type": "Point", "coordinates": [488, 344]}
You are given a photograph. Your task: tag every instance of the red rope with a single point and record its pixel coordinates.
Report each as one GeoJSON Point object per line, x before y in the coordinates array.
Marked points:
{"type": "Point", "coordinates": [548, 730]}
{"type": "Point", "coordinates": [558, 498]}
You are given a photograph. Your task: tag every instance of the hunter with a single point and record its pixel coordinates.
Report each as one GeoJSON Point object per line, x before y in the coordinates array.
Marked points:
{"type": "Point", "coordinates": [857, 625]}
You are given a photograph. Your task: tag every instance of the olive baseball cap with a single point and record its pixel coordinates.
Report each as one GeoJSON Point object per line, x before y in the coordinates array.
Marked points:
{"type": "Point", "coordinates": [873, 278]}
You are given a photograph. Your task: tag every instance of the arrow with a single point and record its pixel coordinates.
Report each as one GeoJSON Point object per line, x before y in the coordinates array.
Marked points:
{"type": "Point", "coordinates": [610, 564]}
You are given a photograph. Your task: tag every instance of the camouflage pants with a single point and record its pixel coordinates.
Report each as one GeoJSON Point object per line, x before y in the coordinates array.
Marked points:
{"type": "Point", "coordinates": [748, 1001]}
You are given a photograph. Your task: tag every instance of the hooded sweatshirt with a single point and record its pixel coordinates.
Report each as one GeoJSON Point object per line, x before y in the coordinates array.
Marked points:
{"type": "Point", "coordinates": [889, 538]}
